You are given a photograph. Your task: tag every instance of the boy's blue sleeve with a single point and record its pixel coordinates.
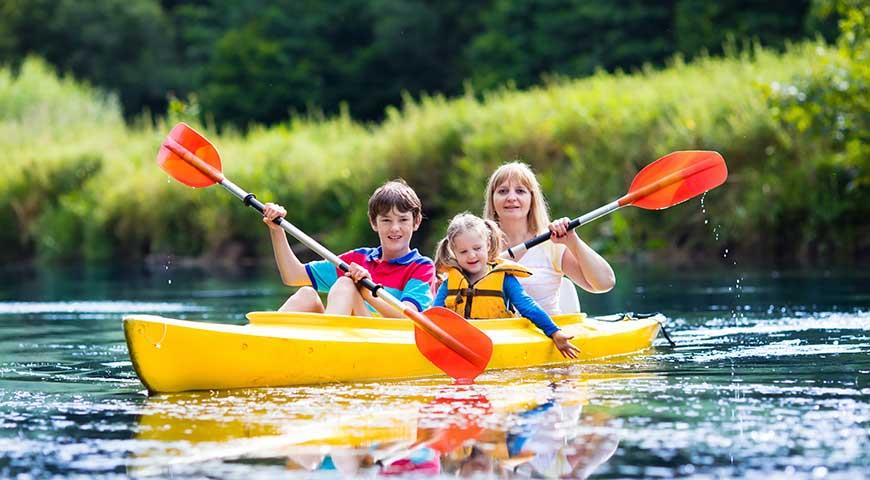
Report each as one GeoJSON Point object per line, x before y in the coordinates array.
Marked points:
{"type": "Point", "coordinates": [322, 275]}
{"type": "Point", "coordinates": [419, 293]}
{"type": "Point", "coordinates": [527, 307]}
{"type": "Point", "coordinates": [418, 288]}
{"type": "Point", "coordinates": [441, 296]}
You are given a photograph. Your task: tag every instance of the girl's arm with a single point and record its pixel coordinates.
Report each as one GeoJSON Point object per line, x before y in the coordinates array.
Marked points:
{"type": "Point", "coordinates": [531, 310]}
{"type": "Point", "coordinates": [527, 306]}
{"type": "Point", "coordinates": [441, 295]}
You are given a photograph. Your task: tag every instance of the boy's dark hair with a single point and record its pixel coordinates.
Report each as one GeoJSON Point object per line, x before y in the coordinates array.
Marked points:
{"type": "Point", "coordinates": [395, 194]}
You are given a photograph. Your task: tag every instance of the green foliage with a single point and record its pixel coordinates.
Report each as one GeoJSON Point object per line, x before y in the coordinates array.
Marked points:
{"type": "Point", "coordinates": [824, 112]}
{"type": "Point", "coordinates": [798, 192]}
{"type": "Point", "coordinates": [701, 25]}
{"type": "Point", "coordinates": [523, 40]}
{"type": "Point", "coordinates": [121, 45]}
{"type": "Point", "coordinates": [262, 61]}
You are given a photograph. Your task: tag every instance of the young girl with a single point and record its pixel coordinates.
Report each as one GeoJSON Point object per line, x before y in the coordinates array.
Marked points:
{"type": "Point", "coordinates": [480, 285]}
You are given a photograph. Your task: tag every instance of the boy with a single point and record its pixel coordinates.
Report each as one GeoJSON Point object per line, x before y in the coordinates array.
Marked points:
{"type": "Point", "coordinates": [395, 213]}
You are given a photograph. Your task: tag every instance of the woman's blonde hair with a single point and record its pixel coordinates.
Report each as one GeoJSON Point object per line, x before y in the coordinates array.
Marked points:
{"type": "Point", "coordinates": [538, 217]}
{"type": "Point", "coordinates": [467, 222]}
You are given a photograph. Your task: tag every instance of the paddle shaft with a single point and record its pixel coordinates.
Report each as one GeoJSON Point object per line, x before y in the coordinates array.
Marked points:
{"type": "Point", "coordinates": [626, 199]}
{"type": "Point", "coordinates": [517, 250]}
{"type": "Point", "coordinates": [377, 290]}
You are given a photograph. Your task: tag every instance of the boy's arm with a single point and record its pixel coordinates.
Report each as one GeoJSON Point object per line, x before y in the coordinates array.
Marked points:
{"type": "Point", "coordinates": [384, 308]}
{"type": "Point", "coordinates": [292, 271]}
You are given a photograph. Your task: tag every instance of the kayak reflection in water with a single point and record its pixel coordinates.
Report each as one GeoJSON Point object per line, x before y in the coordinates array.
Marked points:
{"type": "Point", "coordinates": [451, 419]}
{"type": "Point", "coordinates": [549, 440]}
{"type": "Point", "coordinates": [553, 439]}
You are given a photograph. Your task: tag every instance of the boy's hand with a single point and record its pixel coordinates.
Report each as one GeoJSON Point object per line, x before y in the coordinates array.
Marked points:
{"type": "Point", "coordinates": [271, 211]}
{"type": "Point", "coordinates": [357, 272]}
{"type": "Point", "coordinates": [567, 350]}
{"type": "Point", "coordinates": [559, 232]}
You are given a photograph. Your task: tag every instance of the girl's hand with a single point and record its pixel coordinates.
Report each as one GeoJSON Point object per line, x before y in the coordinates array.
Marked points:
{"type": "Point", "coordinates": [560, 339]}
{"type": "Point", "coordinates": [357, 272]}
{"type": "Point", "coordinates": [559, 232]}
{"type": "Point", "coordinates": [271, 211]}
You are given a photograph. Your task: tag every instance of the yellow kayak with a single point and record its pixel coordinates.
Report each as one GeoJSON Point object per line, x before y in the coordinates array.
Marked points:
{"type": "Point", "coordinates": [284, 349]}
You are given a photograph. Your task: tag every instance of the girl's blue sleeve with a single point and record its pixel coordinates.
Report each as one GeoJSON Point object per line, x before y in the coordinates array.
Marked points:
{"type": "Point", "coordinates": [527, 307]}
{"type": "Point", "coordinates": [441, 295]}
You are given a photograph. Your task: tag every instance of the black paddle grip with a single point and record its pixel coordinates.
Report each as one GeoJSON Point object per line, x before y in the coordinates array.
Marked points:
{"type": "Point", "coordinates": [366, 282]}
{"type": "Point", "coordinates": [251, 201]}
{"type": "Point", "coordinates": [546, 236]}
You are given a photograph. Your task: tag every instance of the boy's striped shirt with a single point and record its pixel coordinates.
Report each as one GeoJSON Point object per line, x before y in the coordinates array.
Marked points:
{"type": "Point", "coordinates": [408, 278]}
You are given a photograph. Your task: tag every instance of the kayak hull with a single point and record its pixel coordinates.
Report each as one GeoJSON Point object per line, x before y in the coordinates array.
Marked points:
{"type": "Point", "coordinates": [285, 349]}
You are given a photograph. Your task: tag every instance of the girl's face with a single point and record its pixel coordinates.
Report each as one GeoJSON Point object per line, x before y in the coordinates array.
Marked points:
{"type": "Point", "coordinates": [470, 249]}
{"type": "Point", "coordinates": [512, 200]}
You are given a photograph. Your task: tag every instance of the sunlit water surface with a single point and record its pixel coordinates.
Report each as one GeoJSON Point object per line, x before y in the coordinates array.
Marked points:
{"type": "Point", "coordinates": [769, 378]}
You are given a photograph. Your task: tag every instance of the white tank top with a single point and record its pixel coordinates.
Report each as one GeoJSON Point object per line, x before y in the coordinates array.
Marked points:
{"type": "Point", "coordinates": [545, 262]}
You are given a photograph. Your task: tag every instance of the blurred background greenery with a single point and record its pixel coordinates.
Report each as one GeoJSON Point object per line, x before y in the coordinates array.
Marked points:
{"type": "Point", "coordinates": [314, 104]}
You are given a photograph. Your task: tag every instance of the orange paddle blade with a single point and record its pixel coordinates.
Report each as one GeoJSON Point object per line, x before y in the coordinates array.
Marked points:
{"type": "Point", "coordinates": [189, 157]}
{"type": "Point", "coordinates": [444, 357]}
{"type": "Point", "coordinates": [675, 178]}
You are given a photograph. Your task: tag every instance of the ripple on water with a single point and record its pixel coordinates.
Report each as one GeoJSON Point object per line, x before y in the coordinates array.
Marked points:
{"type": "Point", "coordinates": [87, 307]}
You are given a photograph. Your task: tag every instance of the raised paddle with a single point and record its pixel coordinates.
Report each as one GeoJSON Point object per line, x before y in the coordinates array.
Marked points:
{"type": "Point", "coordinates": [452, 344]}
{"type": "Point", "coordinates": [670, 180]}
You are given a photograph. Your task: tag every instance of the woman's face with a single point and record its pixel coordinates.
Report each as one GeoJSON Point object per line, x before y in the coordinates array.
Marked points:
{"type": "Point", "coordinates": [511, 200]}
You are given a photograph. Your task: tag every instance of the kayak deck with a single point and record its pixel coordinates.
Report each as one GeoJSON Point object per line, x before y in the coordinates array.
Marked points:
{"type": "Point", "coordinates": [285, 349]}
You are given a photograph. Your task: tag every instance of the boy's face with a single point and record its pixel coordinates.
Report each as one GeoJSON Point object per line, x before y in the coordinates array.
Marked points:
{"type": "Point", "coordinates": [395, 230]}
{"type": "Point", "coordinates": [471, 252]}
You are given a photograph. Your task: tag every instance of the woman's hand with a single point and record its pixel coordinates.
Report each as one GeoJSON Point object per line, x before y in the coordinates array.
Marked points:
{"type": "Point", "coordinates": [271, 211]}
{"type": "Point", "coordinates": [560, 339]}
{"type": "Point", "coordinates": [559, 232]}
{"type": "Point", "coordinates": [357, 272]}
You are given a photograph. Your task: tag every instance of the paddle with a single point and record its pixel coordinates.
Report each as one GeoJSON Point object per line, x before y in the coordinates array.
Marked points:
{"type": "Point", "coordinates": [670, 180]}
{"type": "Point", "coordinates": [452, 344]}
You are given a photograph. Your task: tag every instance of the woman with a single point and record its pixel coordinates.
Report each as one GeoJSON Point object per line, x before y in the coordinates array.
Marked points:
{"type": "Point", "coordinates": [514, 201]}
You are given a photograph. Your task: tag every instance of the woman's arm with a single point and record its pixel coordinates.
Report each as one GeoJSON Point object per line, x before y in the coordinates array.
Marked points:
{"type": "Point", "coordinates": [583, 265]}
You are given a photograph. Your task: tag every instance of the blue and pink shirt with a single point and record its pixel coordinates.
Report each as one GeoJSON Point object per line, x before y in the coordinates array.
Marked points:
{"type": "Point", "coordinates": [408, 278]}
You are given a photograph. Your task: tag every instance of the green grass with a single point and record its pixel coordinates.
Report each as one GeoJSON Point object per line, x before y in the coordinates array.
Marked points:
{"type": "Point", "coordinates": [82, 184]}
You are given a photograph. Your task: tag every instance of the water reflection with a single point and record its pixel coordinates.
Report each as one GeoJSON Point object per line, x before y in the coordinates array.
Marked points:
{"type": "Point", "coordinates": [537, 428]}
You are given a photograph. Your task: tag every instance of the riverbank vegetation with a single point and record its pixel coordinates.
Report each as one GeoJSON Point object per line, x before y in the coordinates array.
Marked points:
{"type": "Point", "coordinates": [81, 183]}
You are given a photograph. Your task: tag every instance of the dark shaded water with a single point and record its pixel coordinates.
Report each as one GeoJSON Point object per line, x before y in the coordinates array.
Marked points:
{"type": "Point", "coordinates": [771, 377]}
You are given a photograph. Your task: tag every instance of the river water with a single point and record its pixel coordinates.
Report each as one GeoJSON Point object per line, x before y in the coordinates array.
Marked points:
{"type": "Point", "coordinates": [770, 376]}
